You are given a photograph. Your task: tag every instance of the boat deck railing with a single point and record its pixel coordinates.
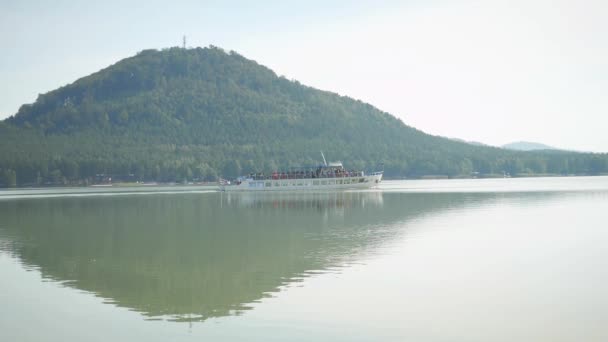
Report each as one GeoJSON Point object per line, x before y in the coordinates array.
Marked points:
{"type": "Point", "coordinates": [305, 175]}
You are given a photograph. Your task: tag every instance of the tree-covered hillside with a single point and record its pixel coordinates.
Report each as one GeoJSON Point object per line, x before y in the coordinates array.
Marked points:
{"type": "Point", "coordinates": [196, 114]}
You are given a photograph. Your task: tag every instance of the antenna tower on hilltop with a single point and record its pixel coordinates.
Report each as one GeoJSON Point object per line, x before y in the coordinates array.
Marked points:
{"type": "Point", "coordinates": [184, 42]}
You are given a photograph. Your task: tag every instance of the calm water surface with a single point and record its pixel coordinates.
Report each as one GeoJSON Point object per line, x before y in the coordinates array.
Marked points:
{"type": "Point", "coordinates": [450, 260]}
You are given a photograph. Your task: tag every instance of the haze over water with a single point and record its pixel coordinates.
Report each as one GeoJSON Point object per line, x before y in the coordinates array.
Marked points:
{"type": "Point", "coordinates": [454, 260]}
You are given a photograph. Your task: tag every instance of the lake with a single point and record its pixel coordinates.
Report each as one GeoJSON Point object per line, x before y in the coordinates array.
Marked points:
{"type": "Point", "coordinates": [429, 260]}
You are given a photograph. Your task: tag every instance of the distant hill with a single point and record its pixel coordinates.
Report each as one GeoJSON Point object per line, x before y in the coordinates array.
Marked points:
{"type": "Point", "coordinates": [475, 143]}
{"type": "Point", "coordinates": [527, 146]}
{"type": "Point", "coordinates": [196, 114]}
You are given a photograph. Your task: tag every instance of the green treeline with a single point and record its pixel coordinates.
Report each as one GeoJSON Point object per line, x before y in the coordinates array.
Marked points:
{"type": "Point", "coordinates": [192, 115]}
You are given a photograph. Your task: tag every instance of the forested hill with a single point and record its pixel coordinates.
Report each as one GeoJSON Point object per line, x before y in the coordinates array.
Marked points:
{"type": "Point", "coordinates": [527, 146]}
{"type": "Point", "coordinates": [195, 114]}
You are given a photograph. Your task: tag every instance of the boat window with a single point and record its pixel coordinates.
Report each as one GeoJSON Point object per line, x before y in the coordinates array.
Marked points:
{"type": "Point", "coordinates": [256, 184]}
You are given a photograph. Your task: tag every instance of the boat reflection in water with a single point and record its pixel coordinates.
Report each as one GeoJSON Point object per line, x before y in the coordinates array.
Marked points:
{"type": "Point", "coordinates": [322, 201]}
{"type": "Point", "coordinates": [189, 257]}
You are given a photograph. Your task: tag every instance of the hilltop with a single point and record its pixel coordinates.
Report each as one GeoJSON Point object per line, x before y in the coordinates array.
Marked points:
{"type": "Point", "coordinates": [527, 146]}
{"type": "Point", "coordinates": [194, 114]}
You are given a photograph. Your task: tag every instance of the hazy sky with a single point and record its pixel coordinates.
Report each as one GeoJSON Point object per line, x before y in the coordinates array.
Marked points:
{"type": "Point", "coordinates": [488, 71]}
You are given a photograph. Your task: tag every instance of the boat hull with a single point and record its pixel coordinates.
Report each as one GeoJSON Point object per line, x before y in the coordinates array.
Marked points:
{"type": "Point", "coordinates": [307, 184]}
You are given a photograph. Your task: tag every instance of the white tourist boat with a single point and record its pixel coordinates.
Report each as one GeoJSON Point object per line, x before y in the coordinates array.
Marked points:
{"type": "Point", "coordinates": [328, 176]}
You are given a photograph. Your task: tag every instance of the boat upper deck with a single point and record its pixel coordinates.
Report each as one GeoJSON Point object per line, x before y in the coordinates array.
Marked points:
{"type": "Point", "coordinates": [330, 171]}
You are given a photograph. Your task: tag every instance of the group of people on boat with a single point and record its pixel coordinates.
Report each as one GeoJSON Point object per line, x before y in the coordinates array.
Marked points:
{"type": "Point", "coordinates": [320, 172]}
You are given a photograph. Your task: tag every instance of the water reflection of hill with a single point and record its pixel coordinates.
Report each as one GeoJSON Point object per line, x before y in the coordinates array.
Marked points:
{"type": "Point", "coordinates": [194, 256]}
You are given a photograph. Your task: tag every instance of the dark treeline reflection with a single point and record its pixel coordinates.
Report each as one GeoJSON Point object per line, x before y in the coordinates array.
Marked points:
{"type": "Point", "coordinates": [195, 256]}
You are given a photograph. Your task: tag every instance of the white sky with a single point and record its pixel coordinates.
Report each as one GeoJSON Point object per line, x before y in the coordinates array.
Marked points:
{"type": "Point", "coordinates": [487, 71]}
